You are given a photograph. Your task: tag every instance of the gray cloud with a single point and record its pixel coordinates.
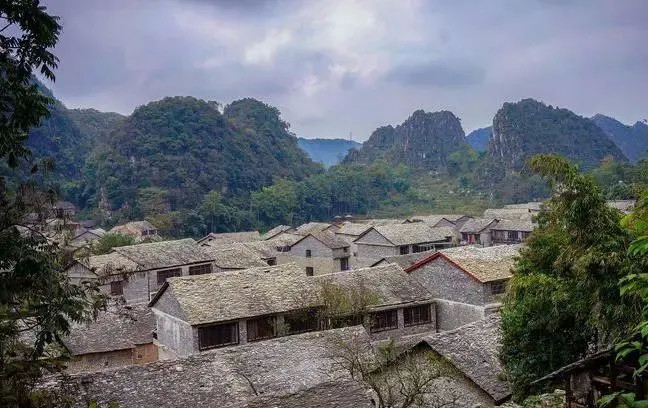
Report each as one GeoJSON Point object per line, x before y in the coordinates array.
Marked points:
{"type": "Point", "coordinates": [352, 65]}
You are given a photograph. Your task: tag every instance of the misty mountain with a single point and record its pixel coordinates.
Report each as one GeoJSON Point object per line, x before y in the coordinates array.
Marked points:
{"type": "Point", "coordinates": [632, 140]}
{"type": "Point", "coordinates": [329, 152]}
{"type": "Point", "coordinates": [478, 138]}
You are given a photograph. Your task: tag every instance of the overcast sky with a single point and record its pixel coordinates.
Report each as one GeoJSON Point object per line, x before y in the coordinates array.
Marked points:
{"type": "Point", "coordinates": [334, 67]}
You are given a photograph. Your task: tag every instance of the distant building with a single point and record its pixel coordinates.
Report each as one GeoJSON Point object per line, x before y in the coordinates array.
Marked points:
{"type": "Point", "coordinates": [534, 207]}
{"type": "Point", "coordinates": [350, 231]}
{"type": "Point", "coordinates": [625, 206]}
{"type": "Point", "coordinates": [63, 209]}
{"type": "Point", "coordinates": [401, 239]}
{"type": "Point", "coordinates": [477, 231]}
{"type": "Point", "coordinates": [120, 336]}
{"type": "Point", "coordinates": [86, 237]}
{"type": "Point", "coordinates": [225, 238]}
{"type": "Point", "coordinates": [442, 220]}
{"type": "Point", "coordinates": [138, 230]}
{"type": "Point", "coordinates": [307, 228]}
{"type": "Point", "coordinates": [511, 231]}
{"type": "Point", "coordinates": [277, 230]}
{"type": "Point", "coordinates": [319, 253]}
{"type": "Point", "coordinates": [262, 303]}
{"type": "Point", "coordinates": [510, 213]}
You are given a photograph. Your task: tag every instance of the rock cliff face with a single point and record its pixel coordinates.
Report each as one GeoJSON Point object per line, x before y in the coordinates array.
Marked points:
{"type": "Point", "coordinates": [632, 140]}
{"type": "Point", "coordinates": [528, 127]}
{"type": "Point", "coordinates": [423, 141]}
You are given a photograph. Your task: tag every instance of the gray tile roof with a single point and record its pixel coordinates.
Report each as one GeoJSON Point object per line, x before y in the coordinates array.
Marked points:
{"type": "Point", "coordinates": [285, 239]}
{"type": "Point", "coordinates": [335, 394]}
{"type": "Point", "coordinates": [353, 228]}
{"type": "Point", "coordinates": [509, 213]}
{"type": "Point", "coordinates": [383, 221]}
{"type": "Point", "coordinates": [476, 225]}
{"type": "Point", "coordinates": [276, 230]}
{"type": "Point", "coordinates": [513, 225]}
{"type": "Point", "coordinates": [531, 205]}
{"type": "Point", "coordinates": [224, 377]}
{"type": "Point", "coordinates": [134, 226]}
{"type": "Point", "coordinates": [413, 233]}
{"type": "Point", "coordinates": [307, 228]}
{"type": "Point", "coordinates": [117, 328]}
{"type": "Point", "coordinates": [486, 264]}
{"type": "Point", "coordinates": [231, 237]}
{"type": "Point", "coordinates": [474, 350]}
{"type": "Point", "coordinates": [329, 239]}
{"type": "Point", "coordinates": [234, 256]}
{"type": "Point", "coordinates": [404, 260]}
{"type": "Point", "coordinates": [436, 218]}
{"type": "Point", "coordinates": [263, 249]}
{"type": "Point", "coordinates": [109, 264]}
{"type": "Point", "coordinates": [166, 253]}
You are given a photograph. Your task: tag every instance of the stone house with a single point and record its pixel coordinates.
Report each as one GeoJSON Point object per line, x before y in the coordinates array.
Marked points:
{"type": "Point", "coordinates": [263, 303]}
{"type": "Point", "coordinates": [86, 237]}
{"type": "Point", "coordinates": [477, 231]}
{"type": "Point", "coordinates": [309, 227]}
{"type": "Point", "coordinates": [286, 372]}
{"type": "Point", "coordinates": [401, 239]}
{"type": "Point", "coordinates": [466, 282]}
{"type": "Point", "coordinates": [319, 253]}
{"type": "Point", "coordinates": [509, 213]}
{"type": "Point", "coordinates": [277, 230]}
{"type": "Point", "coordinates": [511, 231]}
{"type": "Point", "coordinates": [120, 336]}
{"type": "Point", "coordinates": [139, 230]}
{"type": "Point", "coordinates": [534, 207]}
{"type": "Point", "coordinates": [404, 261]}
{"type": "Point", "coordinates": [350, 231]}
{"type": "Point", "coordinates": [225, 238]}
{"type": "Point", "coordinates": [136, 272]}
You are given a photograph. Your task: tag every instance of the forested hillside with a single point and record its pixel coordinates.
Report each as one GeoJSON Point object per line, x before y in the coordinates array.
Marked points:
{"type": "Point", "coordinates": [632, 140]}
{"type": "Point", "coordinates": [478, 139]}
{"type": "Point", "coordinates": [327, 151]}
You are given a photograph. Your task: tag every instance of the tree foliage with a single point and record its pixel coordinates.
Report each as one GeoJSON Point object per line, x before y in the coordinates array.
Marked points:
{"type": "Point", "coordinates": [564, 296]}
{"type": "Point", "coordinates": [108, 241]}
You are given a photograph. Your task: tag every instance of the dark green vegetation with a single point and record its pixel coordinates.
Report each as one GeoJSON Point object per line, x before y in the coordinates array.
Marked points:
{"type": "Point", "coordinates": [564, 297]}
{"type": "Point", "coordinates": [632, 140]}
{"type": "Point", "coordinates": [478, 139]}
{"type": "Point", "coordinates": [329, 152]}
{"type": "Point", "coordinates": [37, 302]}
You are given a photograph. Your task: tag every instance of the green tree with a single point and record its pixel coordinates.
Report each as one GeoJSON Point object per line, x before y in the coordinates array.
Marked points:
{"type": "Point", "coordinates": [35, 294]}
{"type": "Point", "coordinates": [564, 295]}
{"type": "Point", "coordinates": [275, 204]}
{"type": "Point", "coordinates": [109, 241]}
{"type": "Point", "coordinates": [216, 214]}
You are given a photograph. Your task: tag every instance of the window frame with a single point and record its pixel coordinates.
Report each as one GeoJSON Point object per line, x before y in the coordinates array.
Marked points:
{"type": "Point", "coordinates": [273, 322]}
{"type": "Point", "coordinates": [310, 271]}
{"type": "Point", "coordinates": [113, 285]}
{"type": "Point", "coordinates": [208, 266]}
{"type": "Point", "coordinates": [410, 313]}
{"type": "Point", "coordinates": [233, 327]}
{"type": "Point", "coordinates": [344, 264]}
{"type": "Point", "coordinates": [176, 272]}
{"type": "Point", "coordinates": [309, 318]}
{"type": "Point", "coordinates": [404, 249]}
{"type": "Point", "coordinates": [390, 321]}
{"type": "Point", "coordinates": [497, 287]}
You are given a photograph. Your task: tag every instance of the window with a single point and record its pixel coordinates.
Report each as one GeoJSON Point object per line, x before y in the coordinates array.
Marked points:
{"type": "Point", "coordinates": [308, 253]}
{"type": "Point", "coordinates": [344, 264]}
{"type": "Point", "coordinates": [477, 239]}
{"type": "Point", "coordinates": [301, 321]}
{"type": "Point", "coordinates": [309, 271]}
{"type": "Point", "coordinates": [217, 336]}
{"type": "Point", "coordinates": [200, 269]}
{"type": "Point", "coordinates": [525, 234]}
{"type": "Point", "coordinates": [497, 288]}
{"type": "Point", "coordinates": [345, 249]}
{"type": "Point", "coordinates": [336, 322]}
{"type": "Point", "coordinates": [117, 288]}
{"type": "Point", "coordinates": [423, 247]}
{"type": "Point", "coordinates": [387, 320]}
{"type": "Point", "coordinates": [162, 276]}
{"type": "Point", "coordinates": [261, 328]}
{"type": "Point", "coordinates": [404, 250]}
{"type": "Point", "coordinates": [417, 315]}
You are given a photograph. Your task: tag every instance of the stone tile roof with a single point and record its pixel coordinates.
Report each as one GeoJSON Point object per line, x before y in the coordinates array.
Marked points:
{"type": "Point", "coordinates": [235, 295]}
{"type": "Point", "coordinates": [335, 394]}
{"type": "Point", "coordinates": [404, 260]}
{"type": "Point", "coordinates": [222, 378]}
{"type": "Point", "coordinates": [117, 328]}
{"type": "Point", "coordinates": [435, 218]}
{"type": "Point", "coordinates": [388, 282]}
{"type": "Point", "coordinates": [285, 239]}
{"type": "Point", "coordinates": [166, 253]}
{"type": "Point", "coordinates": [307, 228]}
{"type": "Point", "coordinates": [413, 233]}
{"type": "Point", "coordinates": [509, 213]}
{"type": "Point", "coordinates": [531, 205]}
{"type": "Point", "coordinates": [133, 227]}
{"type": "Point", "coordinates": [109, 264]}
{"type": "Point", "coordinates": [262, 249]}
{"type": "Point", "coordinates": [231, 237]}
{"type": "Point", "coordinates": [514, 225]}
{"type": "Point", "coordinates": [476, 225]}
{"type": "Point", "coordinates": [277, 230]}
{"type": "Point", "coordinates": [474, 350]}
{"type": "Point", "coordinates": [234, 256]}
{"type": "Point", "coordinates": [382, 221]}
{"type": "Point", "coordinates": [353, 228]}
{"type": "Point", "coordinates": [329, 239]}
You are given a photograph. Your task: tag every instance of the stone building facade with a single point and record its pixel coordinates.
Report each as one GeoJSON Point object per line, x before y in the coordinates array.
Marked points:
{"type": "Point", "coordinates": [319, 253]}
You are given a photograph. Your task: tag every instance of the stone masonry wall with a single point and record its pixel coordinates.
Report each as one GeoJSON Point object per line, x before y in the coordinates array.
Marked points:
{"type": "Point", "coordinates": [445, 281]}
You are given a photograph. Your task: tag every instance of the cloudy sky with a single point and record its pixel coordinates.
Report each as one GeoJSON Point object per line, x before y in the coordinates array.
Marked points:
{"type": "Point", "coordinates": [338, 66]}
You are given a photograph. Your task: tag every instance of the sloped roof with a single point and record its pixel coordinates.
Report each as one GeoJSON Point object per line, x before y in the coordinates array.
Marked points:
{"type": "Point", "coordinates": [235, 256]}
{"type": "Point", "coordinates": [509, 213]}
{"type": "Point", "coordinates": [382, 221]}
{"type": "Point", "coordinates": [307, 228]}
{"type": "Point", "coordinates": [483, 264]}
{"type": "Point", "coordinates": [133, 227]}
{"type": "Point", "coordinates": [474, 350]}
{"type": "Point", "coordinates": [405, 260]}
{"type": "Point", "coordinates": [513, 225]}
{"type": "Point", "coordinates": [434, 219]}
{"type": "Point", "coordinates": [262, 249]}
{"type": "Point", "coordinates": [412, 233]}
{"type": "Point", "coordinates": [231, 237]}
{"type": "Point", "coordinates": [353, 228]}
{"type": "Point", "coordinates": [389, 283]}
{"type": "Point", "coordinates": [476, 225]}
{"type": "Point", "coordinates": [277, 230]}
{"type": "Point", "coordinates": [329, 239]}
{"type": "Point", "coordinates": [166, 253]}
{"type": "Point", "coordinates": [118, 328]}
{"type": "Point", "coordinates": [335, 394]}
{"type": "Point", "coordinates": [285, 239]}
{"type": "Point", "coordinates": [109, 264]}
{"type": "Point", "coordinates": [531, 205]}
{"type": "Point", "coordinates": [222, 378]}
